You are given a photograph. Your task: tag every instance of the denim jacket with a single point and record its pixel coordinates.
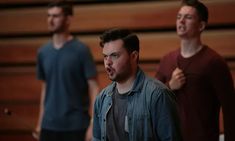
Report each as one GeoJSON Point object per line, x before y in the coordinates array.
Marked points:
{"type": "Point", "coordinates": [151, 112]}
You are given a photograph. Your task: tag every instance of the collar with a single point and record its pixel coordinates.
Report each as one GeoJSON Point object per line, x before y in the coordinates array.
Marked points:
{"type": "Point", "coordinates": [138, 83]}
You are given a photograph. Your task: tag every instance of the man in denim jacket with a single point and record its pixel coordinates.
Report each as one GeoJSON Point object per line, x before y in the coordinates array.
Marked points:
{"type": "Point", "coordinates": [134, 107]}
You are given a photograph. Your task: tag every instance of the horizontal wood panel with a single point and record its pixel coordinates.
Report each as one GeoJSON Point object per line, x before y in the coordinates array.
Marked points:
{"type": "Point", "coordinates": [98, 17]}
{"type": "Point", "coordinates": [19, 83]}
{"type": "Point", "coordinates": [23, 116]}
{"type": "Point", "coordinates": [21, 2]}
{"type": "Point", "coordinates": [17, 137]}
{"type": "Point", "coordinates": [153, 46]}
{"type": "Point", "coordinates": [9, 2]}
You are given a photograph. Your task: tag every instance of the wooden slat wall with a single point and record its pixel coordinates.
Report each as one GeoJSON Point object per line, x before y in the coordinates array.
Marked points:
{"type": "Point", "coordinates": [24, 30]}
{"type": "Point", "coordinates": [153, 46]}
{"type": "Point", "coordinates": [8, 2]}
{"type": "Point", "coordinates": [22, 2]}
{"type": "Point", "coordinates": [139, 15]}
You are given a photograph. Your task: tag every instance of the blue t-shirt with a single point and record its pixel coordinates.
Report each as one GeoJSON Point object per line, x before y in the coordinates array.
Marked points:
{"type": "Point", "coordinates": [65, 72]}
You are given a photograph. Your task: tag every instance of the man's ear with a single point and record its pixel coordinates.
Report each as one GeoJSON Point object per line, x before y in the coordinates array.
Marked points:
{"type": "Point", "coordinates": [202, 26]}
{"type": "Point", "coordinates": [69, 19]}
{"type": "Point", "coordinates": [135, 55]}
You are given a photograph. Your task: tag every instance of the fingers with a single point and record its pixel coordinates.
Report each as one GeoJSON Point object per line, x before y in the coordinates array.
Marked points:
{"type": "Point", "coordinates": [178, 79]}
{"type": "Point", "coordinates": [35, 135]}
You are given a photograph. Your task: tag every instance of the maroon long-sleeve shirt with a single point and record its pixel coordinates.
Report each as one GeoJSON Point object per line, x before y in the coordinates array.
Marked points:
{"type": "Point", "coordinates": [208, 86]}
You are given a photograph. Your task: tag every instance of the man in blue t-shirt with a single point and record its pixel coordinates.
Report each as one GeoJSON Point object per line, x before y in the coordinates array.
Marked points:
{"type": "Point", "coordinates": [66, 67]}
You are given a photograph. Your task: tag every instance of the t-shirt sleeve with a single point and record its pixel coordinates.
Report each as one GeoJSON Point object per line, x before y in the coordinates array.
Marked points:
{"type": "Point", "coordinates": [222, 82]}
{"type": "Point", "coordinates": [89, 64]}
{"type": "Point", "coordinates": [39, 67]}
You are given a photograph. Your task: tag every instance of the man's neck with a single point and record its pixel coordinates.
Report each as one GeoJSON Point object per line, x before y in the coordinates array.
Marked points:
{"type": "Point", "coordinates": [190, 47]}
{"type": "Point", "coordinates": [59, 39]}
{"type": "Point", "coordinates": [126, 85]}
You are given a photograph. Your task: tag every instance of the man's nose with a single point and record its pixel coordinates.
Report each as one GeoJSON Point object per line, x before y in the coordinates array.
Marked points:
{"type": "Point", "coordinates": [182, 19]}
{"type": "Point", "coordinates": [49, 19]}
{"type": "Point", "coordinates": [108, 61]}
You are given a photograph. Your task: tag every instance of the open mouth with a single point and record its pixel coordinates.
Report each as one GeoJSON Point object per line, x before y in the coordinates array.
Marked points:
{"type": "Point", "coordinates": [109, 70]}
{"type": "Point", "coordinates": [181, 28]}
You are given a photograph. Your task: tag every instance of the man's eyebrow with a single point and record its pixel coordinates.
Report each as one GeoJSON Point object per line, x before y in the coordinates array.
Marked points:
{"type": "Point", "coordinates": [113, 53]}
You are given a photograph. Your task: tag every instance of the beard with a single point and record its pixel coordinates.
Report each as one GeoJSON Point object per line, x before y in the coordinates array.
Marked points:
{"type": "Point", "coordinates": [56, 29]}
{"type": "Point", "coordinates": [120, 76]}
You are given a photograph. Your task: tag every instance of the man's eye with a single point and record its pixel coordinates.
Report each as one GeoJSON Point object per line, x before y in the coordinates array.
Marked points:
{"type": "Point", "coordinates": [178, 16]}
{"type": "Point", "coordinates": [105, 56]}
{"type": "Point", "coordinates": [114, 56]}
{"type": "Point", "coordinates": [189, 17]}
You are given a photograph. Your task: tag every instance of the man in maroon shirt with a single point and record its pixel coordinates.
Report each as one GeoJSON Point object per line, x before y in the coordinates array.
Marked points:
{"type": "Point", "coordinates": [200, 79]}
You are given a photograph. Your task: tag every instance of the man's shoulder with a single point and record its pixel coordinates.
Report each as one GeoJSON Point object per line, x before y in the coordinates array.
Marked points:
{"type": "Point", "coordinates": [45, 46]}
{"type": "Point", "coordinates": [210, 56]}
{"type": "Point", "coordinates": [107, 90]}
{"type": "Point", "coordinates": [79, 43]}
{"type": "Point", "coordinates": [153, 84]}
{"type": "Point", "coordinates": [212, 53]}
{"type": "Point", "coordinates": [172, 54]}
{"type": "Point", "coordinates": [79, 46]}
{"type": "Point", "coordinates": [156, 87]}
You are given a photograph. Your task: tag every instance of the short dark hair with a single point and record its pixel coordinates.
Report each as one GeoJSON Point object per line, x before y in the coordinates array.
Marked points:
{"type": "Point", "coordinates": [130, 40]}
{"type": "Point", "coordinates": [66, 7]}
{"type": "Point", "coordinates": [200, 8]}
